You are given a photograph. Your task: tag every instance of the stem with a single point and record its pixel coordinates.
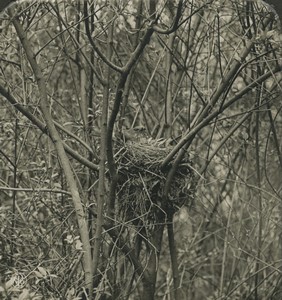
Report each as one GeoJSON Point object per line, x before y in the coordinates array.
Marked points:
{"type": "Point", "coordinates": [259, 238]}
{"type": "Point", "coordinates": [66, 166]}
{"type": "Point", "coordinates": [116, 108]}
{"type": "Point", "coordinates": [5, 3]}
{"type": "Point", "coordinates": [173, 258]}
{"type": "Point", "coordinates": [105, 59]}
{"type": "Point", "coordinates": [15, 171]}
{"type": "Point", "coordinates": [226, 243]}
{"type": "Point", "coordinates": [103, 156]}
{"type": "Point", "coordinates": [191, 133]}
{"type": "Point", "coordinates": [44, 129]}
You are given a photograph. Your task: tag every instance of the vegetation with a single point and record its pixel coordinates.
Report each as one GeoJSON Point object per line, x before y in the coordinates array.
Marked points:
{"type": "Point", "coordinates": [140, 150]}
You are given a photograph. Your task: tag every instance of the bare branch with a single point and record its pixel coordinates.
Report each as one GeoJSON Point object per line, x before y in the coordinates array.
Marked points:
{"type": "Point", "coordinates": [96, 48]}
{"type": "Point", "coordinates": [43, 128]}
{"type": "Point", "coordinates": [66, 166]}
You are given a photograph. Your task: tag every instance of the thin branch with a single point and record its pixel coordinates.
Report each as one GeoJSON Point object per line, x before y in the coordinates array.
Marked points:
{"type": "Point", "coordinates": [175, 22]}
{"type": "Point", "coordinates": [116, 107]}
{"type": "Point", "coordinates": [32, 190]}
{"type": "Point", "coordinates": [65, 163]}
{"type": "Point", "coordinates": [173, 257]}
{"type": "Point", "coordinates": [223, 141]}
{"type": "Point", "coordinates": [96, 48]}
{"type": "Point", "coordinates": [75, 137]}
{"type": "Point", "coordinates": [103, 155]}
{"type": "Point", "coordinates": [8, 159]}
{"type": "Point", "coordinates": [214, 114]}
{"type": "Point", "coordinates": [128, 252]}
{"type": "Point", "coordinates": [43, 127]}
{"type": "Point", "coordinates": [78, 46]}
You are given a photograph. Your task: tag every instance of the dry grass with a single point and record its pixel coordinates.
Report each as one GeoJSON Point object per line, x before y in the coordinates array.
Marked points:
{"type": "Point", "coordinates": [141, 181]}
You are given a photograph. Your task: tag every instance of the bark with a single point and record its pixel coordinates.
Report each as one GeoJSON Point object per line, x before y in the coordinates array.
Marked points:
{"type": "Point", "coordinates": [277, 5]}
{"type": "Point", "coordinates": [103, 156]}
{"type": "Point", "coordinates": [5, 3]}
{"type": "Point", "coordinates": [150, 273]}
{"type": "Point", "coordinates": [66, 166]}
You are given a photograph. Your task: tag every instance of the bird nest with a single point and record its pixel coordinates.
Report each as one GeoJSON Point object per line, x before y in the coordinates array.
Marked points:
{"type": "Point", "coordinates": [141, 181]}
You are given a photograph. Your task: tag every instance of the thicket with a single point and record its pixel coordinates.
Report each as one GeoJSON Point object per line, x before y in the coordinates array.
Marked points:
{"type": "Point", "coordinates": [140, 150]}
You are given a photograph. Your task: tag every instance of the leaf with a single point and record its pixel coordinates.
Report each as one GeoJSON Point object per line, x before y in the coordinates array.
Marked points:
{"type": "Point", "coordinates": [42, 271]}
{"type": "Point", "coordinates": [10, 282]}
{"type": "Point", "coordinates": [69, 239]}
{"type": "Point", "coordinates": [38, 274]}
{"type": "Point", "coordinates": [57, 185]}
{"type": "Point", "coordinates": [24, 295]}
{"type": "Point", "coordinates": [78, 245]}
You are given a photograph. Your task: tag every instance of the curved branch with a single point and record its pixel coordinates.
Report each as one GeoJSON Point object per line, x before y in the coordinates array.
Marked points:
{"type": "Point", "coordinates": [78, 46]}
{"type": "Point", "coordinates": [190, 135]}
{"type": "Point", "coordinates": [38, 190]}
{"type": "Point", "coordinates": [5, 3]}
{"type": "Point", "coordinates": [175, 22]}
{"type": "Point", "coordinates": [43, 128]}
{"type": "Point", "coordinates": [119, 93]}
{"type": "Point", "coordinates": [96, 48]}
{"type": "Point", "coordinates": [64, 161]}
{"type": "Point", "coordinates": [116, 107]}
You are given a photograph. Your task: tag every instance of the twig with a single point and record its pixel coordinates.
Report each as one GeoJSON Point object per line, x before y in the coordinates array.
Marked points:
{"type": "Point", "coordinates": [43, 127]}
{"type": "Point", "coordinates": [190, 134]}
{"type": "Point", "coordinates": [56, 139]}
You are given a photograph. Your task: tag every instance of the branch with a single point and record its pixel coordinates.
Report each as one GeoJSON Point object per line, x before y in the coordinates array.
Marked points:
{"type": "Point", "coordinates": [58, 144]}
{"type": "Point", "coordinates": [67, 28]}
{"type": "Point", "coordinates": [115, 235]}
{"type": "Point", "coordinates": [69, 133]}
{"type": "Point", "coordinates": [116, 107]}
{"type": "Point", "coordinates": [5, 3]}
{"type": "Point", "coordinates": [103, 155]}
{"type": "Point", "coordinates": [98, 51]}
{"type": "Point", "coordinates": [214, 114]}
{"type": "Point", "coordinates": [173, 257]}
{"type": "Point", "coordinates": [223, 141]}
{"type": "Point", "coordinates": [40, 190]}
{"type": "Point", "coordinates": [43, 128]}
{"type": "Point", "coordinates": [214, 99]}
{"type": "Point", "coordinates": [174, 25]}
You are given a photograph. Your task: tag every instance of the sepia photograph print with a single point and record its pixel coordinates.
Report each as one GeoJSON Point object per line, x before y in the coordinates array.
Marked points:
{"type": "Point", "coordinates": [141, 150]}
